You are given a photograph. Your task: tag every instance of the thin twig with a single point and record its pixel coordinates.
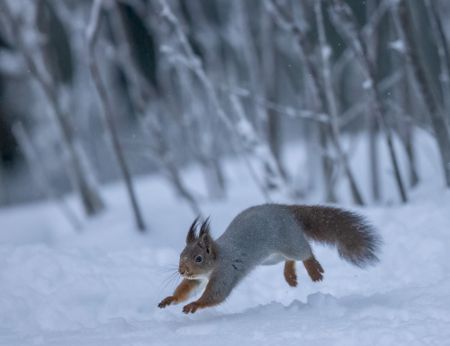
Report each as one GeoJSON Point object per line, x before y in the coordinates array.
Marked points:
{"type": "Point", "coordinates": [108, 113]}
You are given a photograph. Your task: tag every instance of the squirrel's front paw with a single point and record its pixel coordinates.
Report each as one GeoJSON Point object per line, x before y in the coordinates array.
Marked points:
{"type": "Point", "coordinates": [191, 308]}
{"type": "Point", "coordinates": [167, 301]}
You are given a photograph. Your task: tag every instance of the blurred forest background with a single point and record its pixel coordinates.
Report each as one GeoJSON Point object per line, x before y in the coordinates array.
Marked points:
{"type": "Point", "coordinates": [94, 91]}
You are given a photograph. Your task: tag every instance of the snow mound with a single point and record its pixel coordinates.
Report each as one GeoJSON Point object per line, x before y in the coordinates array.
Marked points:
{"type": "Point", "coordinates": [102, 287]}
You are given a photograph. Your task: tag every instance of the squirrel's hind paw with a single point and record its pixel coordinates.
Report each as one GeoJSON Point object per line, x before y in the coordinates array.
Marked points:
{"type": "Point", "coordinates": [289, 273]}
{"type": "Point", "coordinates": [314, 269]}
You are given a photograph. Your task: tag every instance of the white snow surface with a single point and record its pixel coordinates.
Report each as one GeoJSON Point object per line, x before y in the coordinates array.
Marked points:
{"type": "Point", "coordinates": [102, 287]}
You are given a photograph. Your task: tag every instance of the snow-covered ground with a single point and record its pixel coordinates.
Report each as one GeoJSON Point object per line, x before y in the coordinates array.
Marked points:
{"type": "Point", "coordinates": [101, 287]}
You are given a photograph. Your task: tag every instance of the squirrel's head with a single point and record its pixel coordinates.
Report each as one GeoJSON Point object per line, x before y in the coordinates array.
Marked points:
{"type": "Point", "coordinates": [198, 257]}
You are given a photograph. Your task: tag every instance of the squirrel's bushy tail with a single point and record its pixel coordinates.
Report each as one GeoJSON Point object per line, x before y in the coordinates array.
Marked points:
{"type": "Point", "coordinates": [355, 239]}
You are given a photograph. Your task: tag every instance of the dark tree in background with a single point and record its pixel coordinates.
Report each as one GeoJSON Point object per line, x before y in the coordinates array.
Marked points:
{"type": "Point", "coordinates": [178, 83]}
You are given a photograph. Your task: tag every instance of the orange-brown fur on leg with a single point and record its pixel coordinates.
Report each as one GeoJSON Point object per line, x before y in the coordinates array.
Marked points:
{"type": "Point", "coordinates": [181, 293]}
{"type": "Point", "coordinates": [194, 306]}
{"type": "Point", "coordinates": [313, 268]}
{"type": "Point", "coordinates": [204, 301]}
{"type": "Point", "coordinates": [289, 273]}
{"type": "Point", "coordinates": [214, 294]}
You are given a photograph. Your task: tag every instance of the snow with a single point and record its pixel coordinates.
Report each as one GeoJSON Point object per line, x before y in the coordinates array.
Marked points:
{"type": "Point", "coordinates": [398, 45]}
{"type": "Point", "coordinates": [102, 286]}
{"type": "Point", "coordinates": [326, 52]}
{"type": "Point", "coordinates": [367, 84]}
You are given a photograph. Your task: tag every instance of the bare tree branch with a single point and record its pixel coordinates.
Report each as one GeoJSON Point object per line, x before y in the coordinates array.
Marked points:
{"type": "Point", "coordinates": [405, 31]}
{"type": "Point", "coordinates": [89, 194]}
{"type": "Point", "coordinates": [344, 21]}
{"type": "Point", "coordinates": [323, 92]}
{"type": "Point", "coordinates": [38, 172]}
{"type": "Point", "coordinates": [108, 113]}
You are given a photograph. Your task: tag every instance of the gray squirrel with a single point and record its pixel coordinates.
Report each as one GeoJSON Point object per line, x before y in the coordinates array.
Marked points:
{"type": "Point", "coordinates": [265, 235]}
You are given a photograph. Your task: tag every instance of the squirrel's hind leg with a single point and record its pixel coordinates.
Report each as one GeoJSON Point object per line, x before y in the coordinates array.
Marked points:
{"type": "Point", "coordinates": [313, 268]}
{"type": "Point", "coordinates": [289, 273]}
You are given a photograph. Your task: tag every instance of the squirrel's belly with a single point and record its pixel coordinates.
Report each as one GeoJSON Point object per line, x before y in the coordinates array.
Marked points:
{"type": "Point", "coordinates": [273, 259]}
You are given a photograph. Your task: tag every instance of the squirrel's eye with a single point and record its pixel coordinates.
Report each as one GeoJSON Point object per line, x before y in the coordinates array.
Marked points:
{"type": "Point", "coordinates": [198, 259]}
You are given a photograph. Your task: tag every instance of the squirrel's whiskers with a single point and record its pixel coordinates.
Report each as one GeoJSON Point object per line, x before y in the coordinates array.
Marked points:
{"type": "Point", "coordinates": [172, 277]}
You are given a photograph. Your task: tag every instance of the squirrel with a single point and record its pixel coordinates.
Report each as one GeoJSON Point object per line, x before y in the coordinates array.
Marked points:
{"type": "Point", "coordinates": [265, 235]}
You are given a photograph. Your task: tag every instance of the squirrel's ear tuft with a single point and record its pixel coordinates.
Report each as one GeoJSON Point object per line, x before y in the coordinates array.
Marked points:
{"type": "Point", "coordinates": [204, 229]}
{"type": "Point", "coordinates": [191, 237]}
{"type": "Point", "coordinates": [206, 242]}
{"type": "Point", "coordinates": [205, 236]}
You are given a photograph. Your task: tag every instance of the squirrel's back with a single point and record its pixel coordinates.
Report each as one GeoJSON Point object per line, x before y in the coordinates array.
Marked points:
{"type": "Point", "coordinates": [263, 230]}
{"type": "Point", "coordinates": [260, 231]}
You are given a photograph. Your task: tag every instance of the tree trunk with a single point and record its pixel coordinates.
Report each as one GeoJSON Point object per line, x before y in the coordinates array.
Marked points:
{"type": "Point", "coordinates": [345, 23]}
{"type": "Point", "coordinates": [438, 121]}
{"type": "Point", "coordinates": [82, 175]}
{"type": "Point", "coordinates": [108, 113]}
